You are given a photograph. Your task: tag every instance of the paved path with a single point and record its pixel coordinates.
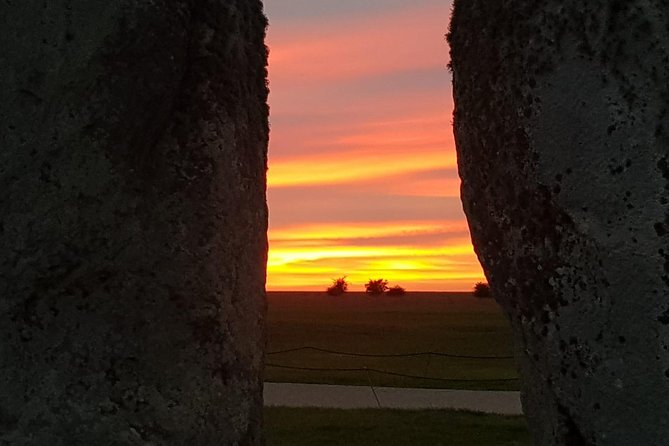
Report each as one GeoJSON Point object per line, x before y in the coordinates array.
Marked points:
{"type": "Point", "coordinates": [358, 397]}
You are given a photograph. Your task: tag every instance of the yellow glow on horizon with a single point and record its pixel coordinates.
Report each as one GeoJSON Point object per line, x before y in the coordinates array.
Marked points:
{"type": "Point", "coordinates": [315, 266]}
{"type": "Point", "coordinates": [284, 256]}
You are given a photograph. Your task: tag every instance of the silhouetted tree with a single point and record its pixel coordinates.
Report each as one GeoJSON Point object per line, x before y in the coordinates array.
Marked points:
{"type": "Point", "coordinates": [396, 291]}
{"type": "Point", "coordinates": [376, 287]}
{"type": "Point", "coordinates": [482, 289]}
{"type": "Point", "coordinates": [339, 286]}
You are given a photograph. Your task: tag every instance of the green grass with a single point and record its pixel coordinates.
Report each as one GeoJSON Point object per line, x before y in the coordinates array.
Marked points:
{"type": "Point", "coordinates": [369, 427]}
{"type": "Point", "coordinates": [444, 322]}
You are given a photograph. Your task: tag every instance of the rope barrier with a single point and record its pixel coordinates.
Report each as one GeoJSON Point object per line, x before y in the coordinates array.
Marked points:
{"type": "Point", "coordinates": [397, 355]}
{"type": "Point", "coordinates": [385, 372]}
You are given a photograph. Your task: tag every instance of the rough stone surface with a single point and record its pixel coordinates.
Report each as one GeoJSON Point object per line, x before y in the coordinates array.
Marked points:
{"type": "Point", "coordinates": [133, 137]}
{"type": "Point", "coordinates": [562, 134]}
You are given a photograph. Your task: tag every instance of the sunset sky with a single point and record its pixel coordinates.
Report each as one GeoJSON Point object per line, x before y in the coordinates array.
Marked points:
{"type": "Point", "coordinates": [362, 167]}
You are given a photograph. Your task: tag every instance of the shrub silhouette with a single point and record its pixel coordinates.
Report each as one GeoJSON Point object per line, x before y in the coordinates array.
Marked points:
{"type": "Point", "coordinates": [396, 291]}
{"type": "Point", "coordinates": [482, 289]}
{"type": "Point", "coordinates": [376, 287]}
{"type": "Point", "coordinates": [339, 286]}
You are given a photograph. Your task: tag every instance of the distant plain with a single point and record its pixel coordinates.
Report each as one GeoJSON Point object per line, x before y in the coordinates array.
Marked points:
{"type": "Point", "coordinates": [452, 323]}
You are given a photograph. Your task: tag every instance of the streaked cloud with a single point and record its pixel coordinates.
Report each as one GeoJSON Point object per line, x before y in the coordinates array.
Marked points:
{"type": "Point", "coordinates": [354, 166]}
{"type": "Point", "coordinates": [341, 46]}
{"type": "Point", "coordinates": [351, 233]}
{"type": "Point", "coordinates": [333, 204]}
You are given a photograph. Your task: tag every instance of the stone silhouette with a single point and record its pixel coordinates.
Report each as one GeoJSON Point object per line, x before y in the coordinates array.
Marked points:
{"type": "Point", "coordinates": [563, 144]}
{"type": "Point", "coordinates": [132, 222]}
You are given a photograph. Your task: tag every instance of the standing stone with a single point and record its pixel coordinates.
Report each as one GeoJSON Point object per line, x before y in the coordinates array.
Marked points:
{"type": "Point", "coordinates": [562, 131]}
{"type": "Point", "coordinates": [133, 137]}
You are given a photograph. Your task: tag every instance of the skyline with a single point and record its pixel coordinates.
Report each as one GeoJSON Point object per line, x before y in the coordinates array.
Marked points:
{"type": "Point", "coordinates": [362, 176]}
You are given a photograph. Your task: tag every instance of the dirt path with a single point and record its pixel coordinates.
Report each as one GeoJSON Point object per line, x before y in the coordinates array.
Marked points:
{"type": "Point", "coordinates": [358, 397]}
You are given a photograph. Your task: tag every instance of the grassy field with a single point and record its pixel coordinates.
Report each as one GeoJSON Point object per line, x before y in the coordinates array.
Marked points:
{"type": "Point", "coordinates": [305, 427]}
{"type": "Point", "coordinates": [454, 323]}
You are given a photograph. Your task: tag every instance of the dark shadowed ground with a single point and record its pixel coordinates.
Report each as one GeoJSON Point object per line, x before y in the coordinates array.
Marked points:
{"type": "Point", "coordinates": [306, 427]}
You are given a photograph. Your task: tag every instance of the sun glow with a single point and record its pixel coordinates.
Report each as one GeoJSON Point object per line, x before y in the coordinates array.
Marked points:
{"type": "Point", "coordinates": [311, 256]}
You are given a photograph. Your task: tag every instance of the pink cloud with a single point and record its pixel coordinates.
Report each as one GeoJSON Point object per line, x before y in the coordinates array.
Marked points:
{"type": "Point", "coordinates": [349, 47]}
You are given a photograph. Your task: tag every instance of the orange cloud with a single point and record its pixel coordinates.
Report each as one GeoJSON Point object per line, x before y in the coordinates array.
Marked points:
{"type": "Point", "coordinates": [351, 166]}
{"type": "Point", "coordinates": [322, 231]}
{"type": "Point", "coordinates": [381, 127]}
{"type": "Point", "coordinates": [364, 101]}
{"type": "Point", "coordinates": [376, 149]}
{"type": "Point", "coordinates": [417, 184]}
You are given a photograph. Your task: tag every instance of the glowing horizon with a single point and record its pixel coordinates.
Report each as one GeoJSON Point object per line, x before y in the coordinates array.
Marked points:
{"type": "Point", "coordinates": [362, 178]}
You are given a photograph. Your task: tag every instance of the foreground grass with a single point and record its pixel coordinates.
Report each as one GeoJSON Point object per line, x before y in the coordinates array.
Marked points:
{"type": "Point", "coordinates": [444, 322]}
{"type": "Point", "coordinates": [303, 427]}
